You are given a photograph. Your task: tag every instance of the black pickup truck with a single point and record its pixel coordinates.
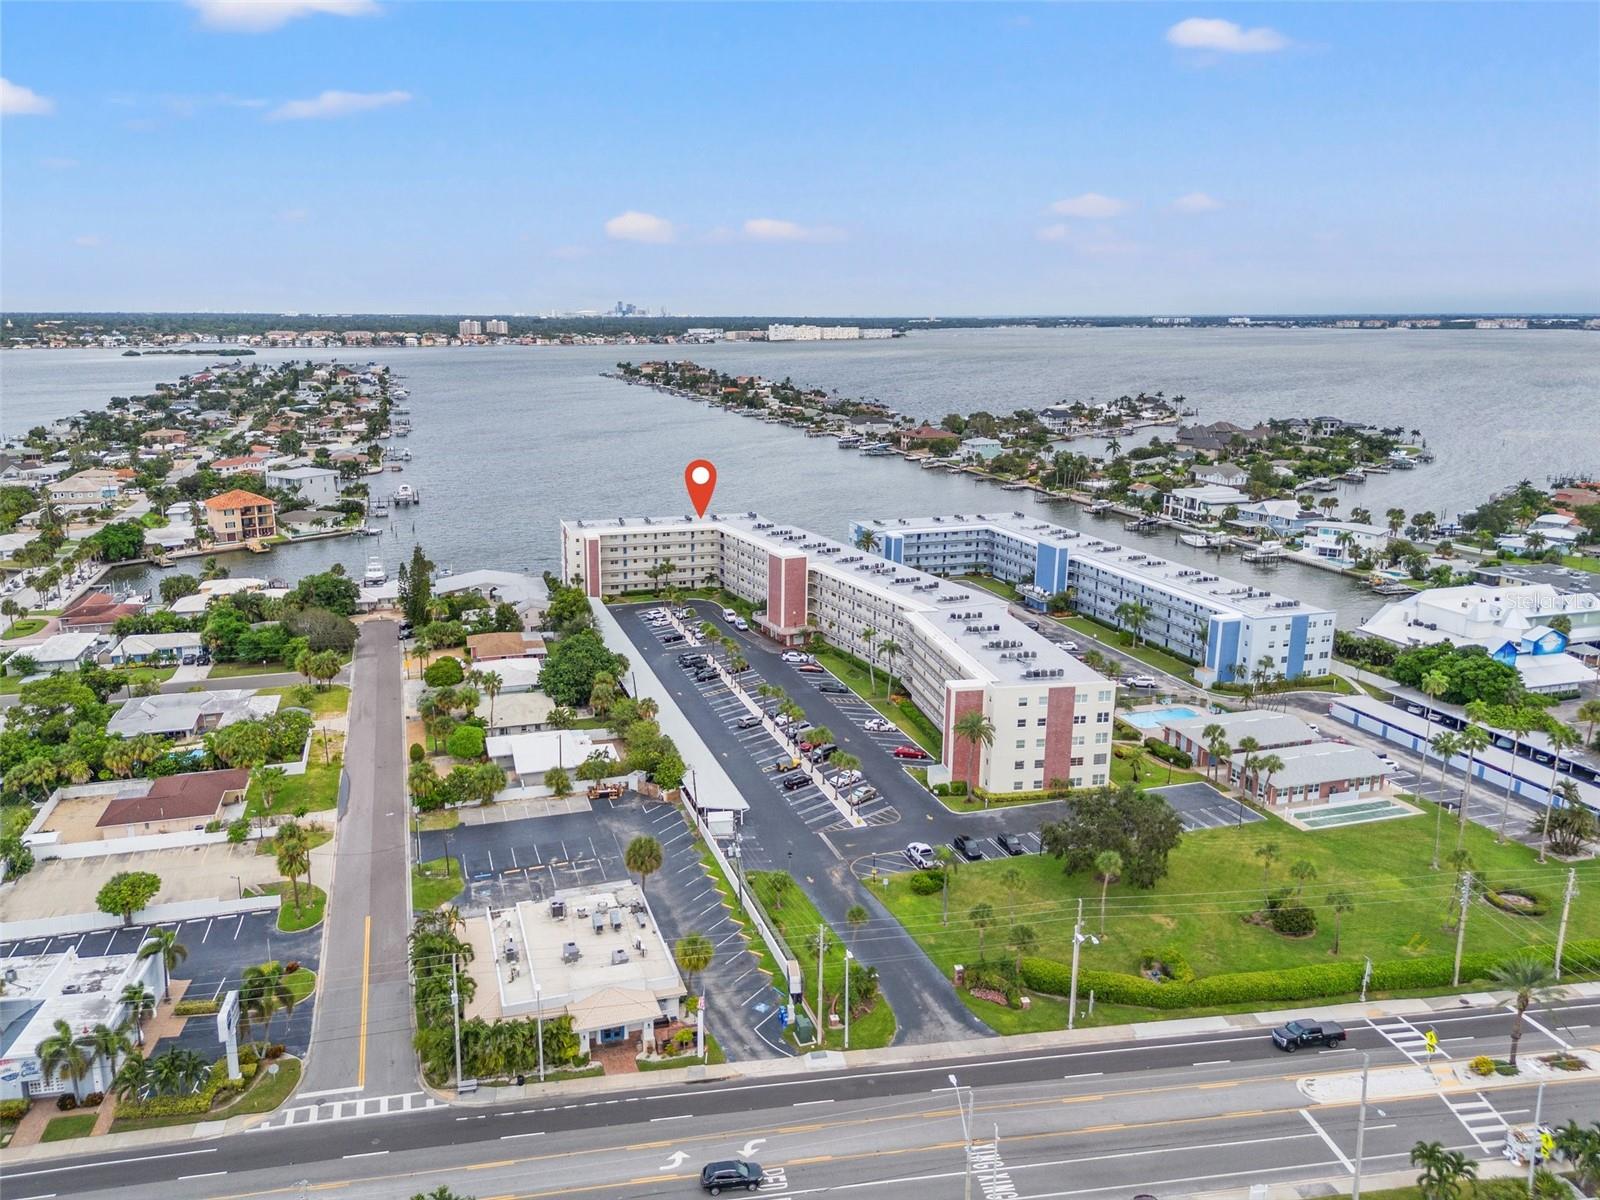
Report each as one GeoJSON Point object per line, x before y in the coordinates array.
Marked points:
{"type": "Point", "coordinates": [1295, 1034]}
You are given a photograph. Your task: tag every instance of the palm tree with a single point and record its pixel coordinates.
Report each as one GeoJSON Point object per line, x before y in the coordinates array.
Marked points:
{"type": "Point", "coordinates": [1248, 747]}
{"type": "Point", "coordinates": [1302, 871]}
{"type": "Point", "coordinates": [1396, 518]}
{"type": "Point", "coordinates": [1443, 1171]}
{"type": "Point", "coordinates": [1023, 940]}
{"type": "Point", "coordinates": [981, 917]}
{"type": "Point", "coordinates": [1266, 767]}
{"type": "Point", "coordinates": [868, 541]}
{"type": "Point", "coordinates": [1446, 744]}
{"type": "Point", "coordinates": [132, 1079]}
{"type": "Point", "coordinates": [888, 647]}
{"type": "Point", "coordinates": [643, 857]}
{"type": "Point", "coordinates": [1562, 738]}
{"type": "Point", "coordinates": [948, 861]}
{"type": "Point", "coordinates": [107, 1042]}
{"type": "Point", "coordinates": [165, 943]}
{"type": "Point", "coordinates": [268, 780]}
{"type": "Point", "coordinates": [975, 730]}
{"type": "Point", "coordinates": [867, 637]}
{"type": "Point", "coordinates": [1011, 880]}
{"type": "Point", "coordinates": [693, 954]}
{"type": "Point", "coordinates": [1432, 685]}
{"type": "Point", "coordinates": [1526, 977]}
{"type": "Point", "coordinates": [856, 917]}
{"type": "Point", "coordinates": [1214, 736]}
{"type": "Point", "coordinates": [1133, 616]}
{"type": "Point", "coordinates": [1589, 712]}
{"type": "Point", "coordinates": [491, 683]}
{"type": "Point", "coordinates": [293, 852]}
{"type": "Point", "coordinates": [1108, 866]}
{"type": "Point", "coordinates": [60, 1053]}
{"type": "Point", "coordinates": [1518, 723]}
{"type": "Point", "coordinates": [262, 994]}
{"type": "Point", "coordinates": [140, 1002]}
{"type": "Point", "coordinates": [1341, 902]}
{"type": "Point", "coordinates": [1267, 852]}
{"type": "Point", "coordinates": [1473, 739]}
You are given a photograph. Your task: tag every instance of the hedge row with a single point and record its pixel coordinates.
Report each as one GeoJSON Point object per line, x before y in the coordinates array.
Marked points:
{"type": "Point", "coordinates": [195, 1008]}
{"type": "Point", "coordinates": [1296, 983]}
{"type": "Point", "coordinates": [218, 1087]}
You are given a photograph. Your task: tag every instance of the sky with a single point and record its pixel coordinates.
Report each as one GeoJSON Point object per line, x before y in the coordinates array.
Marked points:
{"type": "Point", "coordinates": [897, 159]}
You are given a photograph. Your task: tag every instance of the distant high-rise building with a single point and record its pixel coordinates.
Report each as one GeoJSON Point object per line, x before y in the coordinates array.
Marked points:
{"type": "Point", "coordinates": [470, 328]}
{"type": "Point", "coordinates": [496, 327]}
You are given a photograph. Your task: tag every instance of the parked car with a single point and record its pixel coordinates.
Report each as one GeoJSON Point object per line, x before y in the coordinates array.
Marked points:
{"type": "Point", "coordinates": [1011, 844]}
{"type": "Point", "coordinates": [716, 1177]}
{"type": "Point", "coordinates": [966, 846]}
{"type": "Point", "coordinates": [1295, 1034]}
{"type": "Point", "coordinates": [188, 659]}
{"type": "Point", "coordinates": [862, 794]}
{"type": "Point", "coordinates": [795, 656]}
{"type": "Point", "coordinates": [793, 783]}
{"type": "Point", "coordinates": [819, 753]}
{"type": "Point", "coordinates": [845, 778]}
{"type": "Point", "coordinates": [672, 639]}
{"type": "Point", "coordinates": [920, 854]}
{"type": "Point", "coordinates": [878, 725]}
{"type": "Point", "coordinates": [833, 687]}
{"type": "Point", "coordinates": [749, 722]}
{"type": "Point", "coordinates": [707, 677]}
{"type": "Point", "coordinates": [1072, 646]}
{"type": "Point", "coordinates": [1146, 682]}
{"type": "Point", "coordinates": [909, 751]}
{"type": "Point", "coordinates": [740, 623]}
{"type": "Point", "coordinates": [810, 668]}
{"type": "Point", "coordinates": [782, 720]}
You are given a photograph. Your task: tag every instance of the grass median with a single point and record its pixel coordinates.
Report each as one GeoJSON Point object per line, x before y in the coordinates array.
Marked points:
{"type": "Point", "coordinates": [872, 685]}
{"type": "Point", "coordinates": [434, 883]}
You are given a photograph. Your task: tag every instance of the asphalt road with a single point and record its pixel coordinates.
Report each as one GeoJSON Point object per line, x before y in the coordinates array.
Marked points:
{"type": "Point", "coordinates": [925, 1004]}
{"type": "Point", "coordinates": [1164, 1114]}
{"type": "Point", "coordinates": [361, 1039]}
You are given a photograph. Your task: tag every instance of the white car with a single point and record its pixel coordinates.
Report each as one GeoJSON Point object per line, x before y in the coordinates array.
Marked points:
{"type": "Point", "coordinates": [795, 656]}
{"type": "Point", "coordinates": [740, 623]}
{"type": "Point", "coordinates": [782, 719]}
{"type": "Point", "coordinates": [729, 615]}
{"type": "Point", "coordinates": [920, 854]}
{"type": "Point", "coordinates": [878, 725]}
{"type": "Point", "coordinates": [1072, 647]}
{"type": "Point", "coordinates": [1141, 681]}
{"type": "Point", "coordinates": [845, 778]}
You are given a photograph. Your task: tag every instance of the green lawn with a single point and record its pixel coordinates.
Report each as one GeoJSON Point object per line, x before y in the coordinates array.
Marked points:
{"type": "Point", "coordinates": [990, 584]}
{"type": "Point", "coordinates": [322, 704]}
{"type": "Point", "coordinates": [1123, 641]}
{"type": "Point", "coordinates": [714, 1057]}
{"type": "Point", "coordinates": [317, 789]}
{"type": "Point", "coordinates": [797, 923]}
{"type": "Point", "coordinates": [313, 900]}
{"type": "Point", "coordinates": [446, 818]}
{"type": "Point", "coordinates": [74, 1126]}
{"type": "Point", "coordinates": [265, 1093]}
{"type": "Point", "coordinates": [433, 883]}
{"type": "Point", "coordinates": [1148, 770]}
{"type": "Point", "coordinates": [854, 674]}
{"type": "Point", "coordinates": [1215, 881]}
{"type": "Point", "coordinates": [301, 983]}
{"type": "Point", "coordinates": [132, 676]}
{"type": "Point", "coordinates": [24, 627]}
{"type": "Point", "coordinates": [233, 670]}
{"type": "Point", "coordinates": [1581, 562]}
{"type": "Point", "coordinates": [316, 836]}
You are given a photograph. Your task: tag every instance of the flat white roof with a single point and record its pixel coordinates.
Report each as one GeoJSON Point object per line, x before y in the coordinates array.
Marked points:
{"type": "Point", "coordinates": [1324, 762]}
{"type": "Point", "coordinates": [536, 752]}
{"type": "Point", "coordinates": [1269, 729]}
{"type": "Point", "coordinates": [83, 992]}
{"type": "Point", "coordinates": [61, 647]}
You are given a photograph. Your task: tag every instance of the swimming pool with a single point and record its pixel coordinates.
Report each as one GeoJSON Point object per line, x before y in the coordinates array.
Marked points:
{"type": "Point", "coordinates": [1151, 718]}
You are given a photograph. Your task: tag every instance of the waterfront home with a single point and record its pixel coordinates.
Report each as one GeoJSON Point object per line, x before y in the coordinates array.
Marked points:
{"type": "Point", "coordinates": [95, 486]}
{"type": "Point", "coordinates": [1344, 542]}
{"type": "Point", "coordinates": [1271, 731]}
{"type": "Point", "coordinates": [96, 611]}
{"type": "Point", "coordinates": [241, 464]}
{"type": "Point", "coordinates": [189, 714]}
{"type": "Point", "coordinates": [153, 647]}
{"type": "Point", "coordinates": [1280, 518]}
{"type": "Point", "coordinates": [1219, 435]}
{"type": "Point", "coordinates": [1202, 504]}
{"type": "Point", "coordinates": [1511, 623]}
{"type": "Point", "coordinates": [493, 647]}
{"type": "Point", "coordinates": [239, 516]}
{"type": "Point", "coordinates": [922, 436]}
{"type": "Point", "coordinates": [1223, 474]}
{"type": "Point", "coordinates": [984, 448]}
{"type": "Point", "coordinates": [526, 593]}
{"type": "Point", "coordinates": [63, 651]}
{"type": "Point", "coordinates": [317, 486]}
{"type": "Point", "coordinates": [873, 423]}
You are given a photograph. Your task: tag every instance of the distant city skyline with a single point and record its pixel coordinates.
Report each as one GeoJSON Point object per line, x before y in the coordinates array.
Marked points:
{"type": "Point", "coordinates": [361, 156]}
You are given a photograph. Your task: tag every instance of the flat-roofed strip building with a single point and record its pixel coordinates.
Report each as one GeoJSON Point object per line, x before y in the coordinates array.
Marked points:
{"type": "Point", "coordinates": [1269, 729]}
{"type": "Point", "coordinates": [1318, 773]}
{"type": "Point", "coordinates": [1225, 627]}
{"type": "Point", "coordinates": [955, 650]}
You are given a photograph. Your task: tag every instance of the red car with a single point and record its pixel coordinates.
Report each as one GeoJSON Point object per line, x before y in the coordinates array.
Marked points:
{"type": "Point", "coordinates": [911, 752]}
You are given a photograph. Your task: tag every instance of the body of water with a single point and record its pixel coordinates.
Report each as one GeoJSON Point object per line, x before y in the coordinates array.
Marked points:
{"type": "Point", "coordinates": [508, 440]}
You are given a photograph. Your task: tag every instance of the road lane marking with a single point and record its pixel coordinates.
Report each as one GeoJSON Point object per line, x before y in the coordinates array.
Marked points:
{"type": "Point", "coordinates": [1323, 1134]}
{"type": "Point", "coordinates": [366, 974]}
{"type": "Point", "coordinates": [803, 1103]}
{"type": "Point", "coordinates": [674, 1117]}
{"type": "Point", "coordinates": [381, 1153]}
{"type": "Point", "coordinates": [202, 1175]}
{"type": "Point", "coordinates": [112, 1162]}
{"type": "Point", "coordinates": [1214, 1062]}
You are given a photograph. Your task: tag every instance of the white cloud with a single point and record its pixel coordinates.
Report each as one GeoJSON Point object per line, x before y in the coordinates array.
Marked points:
{"type": "Point", "coordinates": [771, 229]}
{"type": "Point", "coordinates": [336, 104]}
{"type": "Point", "coordinates": [1091, 205]}
{"type": "Point", "coordinates": [263, 16]}
{"type": "Point", "coordinates": [634, 226]}
{"type": "Point", "coordinates": [86, 240]}
{"type": "Point", "coordinates": [18, 101]}
{"type": "Point", "coordinates": [1196, 202]}
{"type": "Point", "coordinates": [1213, 33]}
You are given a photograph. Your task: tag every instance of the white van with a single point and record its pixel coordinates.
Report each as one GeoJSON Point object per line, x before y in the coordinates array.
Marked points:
{"type": "Point", "coordinates": [729, 615]}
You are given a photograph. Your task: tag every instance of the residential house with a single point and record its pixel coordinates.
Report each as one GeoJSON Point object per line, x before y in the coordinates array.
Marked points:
{"type": "Point", "coordinates": [174, 804]}
{"type": "Point", "coordinates": [1203, 504]}
{"type": "Point", "coordinates": [984, 448]}
{"type": "Point", "coordinates": [1345, 542]}
{"type": "Point", "coordinates": [529, 755]}
{"type": "Point", "coordinates": [1219, 435]}
{"type": "Point", "coordinates": [153, 647]}
{"type": "Point", "coordinates": [239, 516]}
{"type": "Point", "coordinates": [1281, 518]}
{"type": "Point", "coordinates": [94, 486]}
{"type": "Point", "coordinates": [317, 486]}
{"type": "Point", "coordinates": [1224, 474]}
{"type": "Point", "coordinates": [922, 436]}
{"type": "Point", "coordinates": [492, 647]}
{"type": "Point", "coordinates": [188, 714]}
{"type": "Point", "coordinates": [62, 651]}
{"type": "Point", "coordinates": [96, 612]}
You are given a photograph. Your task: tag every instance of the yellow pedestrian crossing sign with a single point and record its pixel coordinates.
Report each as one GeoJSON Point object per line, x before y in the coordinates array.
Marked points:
{"type": "Point", "coordinates": [1432, 1040]}
{"type": "Point", "coordinates": [1547, 1143]}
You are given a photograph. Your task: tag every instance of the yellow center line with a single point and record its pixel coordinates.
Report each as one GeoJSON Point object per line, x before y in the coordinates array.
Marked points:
{"type": "Point", "coordinates": [366, 972]}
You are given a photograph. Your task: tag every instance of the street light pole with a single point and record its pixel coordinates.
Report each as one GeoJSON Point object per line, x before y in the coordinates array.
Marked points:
{"type": "Point", "coordinates": [966, 1138]}
{"type": "Point", "coordinates": [847, 957]}
{"type": "Point", "coordinates": [538, 1009]}
{"type": "Point", "coordinates": [1361, 1126]}
{"type": "Point", "coordinates": [455, 1015]}
{"type": "Point", "coordinates": [1537, 1146]}
{"type": "Point", "coordinates": [1077, 943]}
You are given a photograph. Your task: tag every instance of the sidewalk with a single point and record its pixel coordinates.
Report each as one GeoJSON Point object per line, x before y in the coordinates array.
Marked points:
{"type": "Point", "coordinates": [893, 1056]}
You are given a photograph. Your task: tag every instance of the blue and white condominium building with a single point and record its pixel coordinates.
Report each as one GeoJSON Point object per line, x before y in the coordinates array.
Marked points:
{"type": "Point", "coordinates": [1224, 626]}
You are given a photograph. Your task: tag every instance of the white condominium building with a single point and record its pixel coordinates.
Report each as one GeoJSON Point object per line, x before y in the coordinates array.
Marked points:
{"type": "Point", "coordinates": [1226, 627]}
{"type": "Point", "coordinates": [954, 649]}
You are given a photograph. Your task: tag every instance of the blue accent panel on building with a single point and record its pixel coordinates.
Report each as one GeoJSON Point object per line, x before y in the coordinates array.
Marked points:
{"type": "Point", "coordinates": [1298, 627]}
{"type": "Point", "coordinates": [1044, 570]}
{"type": "Point", "coordinates": [1228, 654]}
{"type": "Point", "coordinates": [1213, 641]}
{"type": "Point", "coordinates": [893, 547]}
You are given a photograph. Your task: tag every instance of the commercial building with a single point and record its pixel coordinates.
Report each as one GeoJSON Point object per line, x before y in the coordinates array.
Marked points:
{"type": "Point", "coordinates": [495, 327]}
{"type": "Point", "coordinates": [318, 486]}
{"type": "Point", "coordinates": [1224, 626]}
{"type": "Point", "coordinates": [529, 755]}
{"type": "Point", "coordinates": [240, 516]}
{"type": "Point", "coordinates": [954, 649]}
{"type": "Point", "coordinates": [41, 989]}
{"type": "Point", "coordinates": [1511, 623]}
{"type": "Point", "coordinates": [1317, 773]}
{"type": "Point", "coordinates": [1269, 729]}
{"type": "Point", "coordinates": [469, 328]}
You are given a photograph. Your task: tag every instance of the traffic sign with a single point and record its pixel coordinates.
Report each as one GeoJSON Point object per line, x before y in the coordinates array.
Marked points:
{"type": "Point", "coordinates": [1432, 1040]}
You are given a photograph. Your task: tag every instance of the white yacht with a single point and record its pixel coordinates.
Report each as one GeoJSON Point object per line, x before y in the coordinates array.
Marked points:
{"type": "Point", "coordinates": [374, 575]}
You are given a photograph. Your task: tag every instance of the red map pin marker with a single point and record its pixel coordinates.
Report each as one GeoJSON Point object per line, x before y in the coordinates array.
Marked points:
{"type": "Point", "coordinates": [700, 477]}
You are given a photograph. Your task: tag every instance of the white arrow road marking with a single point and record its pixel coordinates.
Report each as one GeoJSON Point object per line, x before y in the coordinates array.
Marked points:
{"type": "Point", "coordinates": [750, 1147]}
{"type": "Point", "coordinates": [675, 1162]}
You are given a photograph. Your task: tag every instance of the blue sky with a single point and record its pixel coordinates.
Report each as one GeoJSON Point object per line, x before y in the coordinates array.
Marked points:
{"type": "Point", "coordinates": [363, 155]}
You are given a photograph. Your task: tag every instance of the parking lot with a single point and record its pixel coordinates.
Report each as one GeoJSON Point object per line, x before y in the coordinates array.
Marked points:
{"type": "Point", "coordinates": [1201, 806]}
{"type": "Point", "coordinates": [510, 861]}
{"type": "Point", "coordinates": [219, 950]}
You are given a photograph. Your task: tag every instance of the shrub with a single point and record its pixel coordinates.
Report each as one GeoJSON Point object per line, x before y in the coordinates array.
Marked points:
{"type": "Point", "coordinates": [66, 1103]}
{"type": "Point", "coordinates": [465, 742]}
{"type": "Point", "coordinates": [417, 752]}
{"type": "Point", "coordinates": [1516, 900]}
{"type": "Point", "coordinates": [1483, 1065]}
{"type": "Point", "coordinates": [238, 831]}
{"type": "Point", "coordinates": [289, 968]}
{"type": "Point", "coordinates": [927, 883]}
{"type": "Point", "coordinates": [14, 1110]}
{"type": "Point", "coordinates": [444, 672]}
{"type": "Point", "coordinates": [1293, 918]}
{"type": "Point", "coordinates": [214, 825]}
{"type": "Point", "coordinates": [275, 1050]}
{"type": "Point", "coordinates": [92, 1100]}
{"type": "Point", "coordinates": [195, 1008]}
{"type": "Point", "coordinates": [1168, 754]}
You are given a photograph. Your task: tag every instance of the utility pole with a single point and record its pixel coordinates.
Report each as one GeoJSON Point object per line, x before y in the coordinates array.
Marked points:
{"type": "Point", "coordinates": [847, 957]}
{"type": "Point", "coordinates": [1077, 943]}
{"type": "Point", "coordinates": [822, 950]}
{"type": "Point", "coordinates": [1461, 927]}
{"type": "Point", "coordinates": [1538, 1142]}
{"type": "Point", "coordinates": [966, 1138]}
{"type": "Point", "coordinates": [455, 1014]}
{"type": "Point", "coordinates": [1366, 978]}
{"type": "Point", "coordinates": [538, 1009]}
{"type": "Point", "coordinates": [1566, 908]}
{"type": "Point", "coordinates": [1361, 1126]}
